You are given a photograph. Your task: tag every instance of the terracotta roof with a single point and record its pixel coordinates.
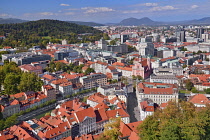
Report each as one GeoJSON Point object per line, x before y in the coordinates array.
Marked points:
{"type": "Point", "coordinates": [18, 95]}
{"type": "Point", "coordinates": [146, 107]}
{"type": "Point", "coordinates": [101, 105]}
{"type": "Point", "coordinates": [114, 113]}
{"type": "Point", "coordinates": [125, 68]}
{"type": "Point", "coordinates": [199, 99]}
{"type": "Point", "coordinates": [30, 67]}
{"type": "Point", "coordinates": [84, 137]}
{"type": "Point", "coordinates": [111, 68]}
{"type": "Point", "coordinates": [49, 77]}
{"type": "Point", "coordinates": [89, 112]}
{"type": "Point", "coordinates": [14, 102]}
{"type": "Point", "coordinates": [101, 115]}
{"type": "Point", "coordinates": [118, 64]}
{"type": "Point", "coordinates": [133, 136]}
{"type": "Point", "coordinates": [97, 97]}
{"type": "Point", "coordinates": [102, 63]}
{"type": "Point", "coordinates": [48, 87]}
{"type": "Point", "coordinates": [62, 61]}
{"type": "Point", "coordinates": [133, 126]}
{"type": "Point", "coordinates": [109, 75]}
{"type": "Point", "coordinates": [167, 88]}
{"type": "Point", "coordinates": [59, 81]}
{"type": "Point", "coordinates": [124, 129]}
{"type": "Point", "coordinates": [169, 58]}
{"type": "Point", "coordinates": [66, 84]}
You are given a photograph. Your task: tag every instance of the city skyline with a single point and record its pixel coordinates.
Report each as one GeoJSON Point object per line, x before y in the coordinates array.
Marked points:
{"type": "Point", "coordinates": [104, 11]}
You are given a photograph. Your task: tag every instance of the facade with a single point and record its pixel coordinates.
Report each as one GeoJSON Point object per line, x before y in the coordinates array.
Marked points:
{"type": "Point", "coordinates": [168, 71]}
{"type": "Point", "coordinates": [12, 108]}
{"type": "Point", "coordinates": [122, 48]}
{"type": "Point", "coordinates": [146, 47]}
{"type": "Point", "coordinates": [147, 108]}
{"type": "Point", "coordinates": [142, 68]}
{"type": "Point", "coordinates": [169, 79]}
{"type": "Point", "coordinates": [66, 89]}
{"type": "Point", "coordinates": [157, 92]}
{"type": "Point", "coordinates": [30, 68]}
{"type": "Point", "coordinates": [94, 80]}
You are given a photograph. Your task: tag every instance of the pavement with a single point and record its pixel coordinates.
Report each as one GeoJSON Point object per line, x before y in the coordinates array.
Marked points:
{"type": "Point", "coordinates": [132, 107]}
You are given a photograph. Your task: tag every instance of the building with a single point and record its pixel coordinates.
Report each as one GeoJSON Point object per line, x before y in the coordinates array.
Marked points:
{"type": "Point", "coordinates": [199, 100]}
{"type": "Point", "coordinates": [168, 71]}
{"type": "Point", "coordinates": [66, 89]}
{"type": "Point", "coordinates": [102, 44]}
{"type": "Point", "coordinates": [93, 80]}
{"type": "Point", "coordinates": [147, 108]}
{"type": "Point", "coordinates": [157, 92]}
{"type": "Point", "coordinates": [180, 34]}
{"type": "Point", "coordinates": [142, 68]}
{"type": "Point", "coordinates": [146, 47]}
{"type": "Point", "coordinates": [169, 79]}
{"type": "Point", "coordinates": [10, 109]}
{"type": "Point", "coordinates": [200, 31]}
{"type": "Point", "coordinates": [121, 48]}
{"type": "Point", "coordinates": [30, 68]}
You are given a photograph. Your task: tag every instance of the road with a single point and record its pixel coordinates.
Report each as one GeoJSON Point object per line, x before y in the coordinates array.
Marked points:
{"type": "Point", "coordinates": [132, 107]}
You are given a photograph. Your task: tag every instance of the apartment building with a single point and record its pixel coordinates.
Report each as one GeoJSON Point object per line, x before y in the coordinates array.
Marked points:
{"type": "Point", "coordinates": [94, 80]}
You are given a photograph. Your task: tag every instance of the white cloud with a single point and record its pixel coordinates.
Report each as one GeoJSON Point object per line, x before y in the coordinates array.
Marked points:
{"type": "Point", "coordinates": [150, 4]}
{"type": "Point", "coordinates": [163, 8]}
{"type": "Point", "coordinates": [46, 13]}
{"type": "Point", "coordinates": [72, 9]}
{"type": "Point", "coordinates": [69, 13]}
{"type": "Point", "coordinates": [39, 14]}
{"type": "Point", "coordinates": [4, 15]}
{"type": "Point", "coordinates": [97, 9]}
{"type": "Point", "coordinates": [194, 6]}
{"type": "Point", "coordinates": [62, 4]}
{"type": "Point", "coordinates": [132, 12]}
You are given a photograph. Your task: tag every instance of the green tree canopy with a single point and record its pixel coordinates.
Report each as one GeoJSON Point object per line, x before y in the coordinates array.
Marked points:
{"type": "Point", "coordinates": [178, 121]}
{"type": "Point", "coordinates": [189, 85]}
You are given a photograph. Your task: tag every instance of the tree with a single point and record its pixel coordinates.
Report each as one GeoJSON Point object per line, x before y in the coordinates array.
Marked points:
{"type": "Point", "coordinates": [89, 70]}
{"type": "Point", "coordinates": [179, 120]}
{"type": "Point", "coordinates": [111, 130]}
{"type": "Point", "coordinates": [105, 36]}
{"type": "Point", "coordinates": [189, 85]}
{"type": "Point", "coordinates": [207, 90]}
{"type": "Point", "coordinates": [10, 83]}
{"type": "Point", "coordinates": [113, 42]}
{"type": "Point", "coordinates": [10, 121]}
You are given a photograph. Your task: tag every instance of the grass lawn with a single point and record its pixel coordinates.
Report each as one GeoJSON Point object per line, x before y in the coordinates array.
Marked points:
{"type": "Point", "coordinates": [188, 92]}
{"type": "Point", "coordinates": [185, 91]}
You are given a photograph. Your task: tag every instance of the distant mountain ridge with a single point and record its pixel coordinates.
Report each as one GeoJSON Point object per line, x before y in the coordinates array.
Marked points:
{"type": "Point", "coordinates": [148, 21]}
{"type": "Point", "coordinates": [86, 23]}
{"type": "Point", "coordinates": [11, 20]}
{"type": "Point", "coordinates": [14, 20]}
{"type": "Point", "coordinates": [126, 22]}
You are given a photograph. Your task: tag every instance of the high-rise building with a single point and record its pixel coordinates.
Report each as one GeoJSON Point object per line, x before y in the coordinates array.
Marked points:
{"type": "Point", "coordinates": [200, 31]}
{"type": "Point", "coordinates": [180, 34]}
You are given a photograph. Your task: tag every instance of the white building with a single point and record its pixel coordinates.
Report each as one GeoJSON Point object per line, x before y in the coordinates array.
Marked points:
{"type": "Point", "coordinates": [157, 92]}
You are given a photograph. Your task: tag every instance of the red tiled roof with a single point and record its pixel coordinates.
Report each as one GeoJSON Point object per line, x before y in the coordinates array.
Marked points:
{"type": "Point", "coordinates": [199, 99]}
{"type": "Point", "coordinates": [147, 90]}
{"type": "Point", "coordinates": [89, 112]}
{"type": "Point", "coordinates": [59, 81]}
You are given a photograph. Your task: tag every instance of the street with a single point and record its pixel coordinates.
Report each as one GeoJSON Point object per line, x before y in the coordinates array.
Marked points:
{"type": "Point", "coordinates": [132, 107]}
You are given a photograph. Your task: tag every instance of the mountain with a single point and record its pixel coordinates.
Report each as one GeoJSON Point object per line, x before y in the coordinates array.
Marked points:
{"type": "Point", "coordinates": [205, 20]}
{"type": "Point", "coordinates": [42, 31]}
{"type": "Point", "coordinates": [137, 22]}
{"type": "Point", "coordinates": [86, 23]}
{"type": "Point", "coordinates": [11, 20]}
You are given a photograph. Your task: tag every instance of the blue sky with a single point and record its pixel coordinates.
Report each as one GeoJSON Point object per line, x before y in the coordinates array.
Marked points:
{"type": "Point", "coordinates": [105, 11]}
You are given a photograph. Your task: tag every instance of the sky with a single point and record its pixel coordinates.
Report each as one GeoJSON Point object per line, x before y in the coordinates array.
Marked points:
{"type": "Point", "coordinates": [105, 11]}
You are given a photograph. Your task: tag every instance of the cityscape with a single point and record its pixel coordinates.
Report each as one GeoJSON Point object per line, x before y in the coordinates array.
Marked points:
{"type": "Point", "coordinates": [99, 71]}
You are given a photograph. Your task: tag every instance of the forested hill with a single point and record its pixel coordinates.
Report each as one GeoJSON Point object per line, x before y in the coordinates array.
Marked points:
{"type": "Point", "coordinates": [42, 31]}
